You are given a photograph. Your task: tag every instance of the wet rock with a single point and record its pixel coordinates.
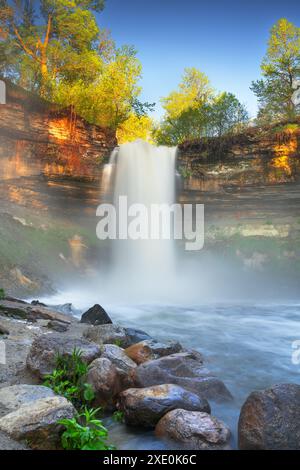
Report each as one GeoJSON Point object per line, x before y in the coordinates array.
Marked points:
{"type": "Point", "coordinates": [25, 311]}
{"type": "Point", "coordinates": [136, 336]}
{"type": "Point", "coordinates": [36, 422]}
{"type": "Point", "coordinates": [44, 349]}
{"type": "Point", "coordinates": [106, 382]}
{"type": "Point", "coordinates": [3, 330]}
{"type": "Point", "coordinates": [96, 315]}
{"type": "Point", "coordinates": [13, 397]}
{"type": "Point", "coordinates": [194, 430]}
{"type": "Point", "coordinates": [107, 334]}
{"type": "Point", "coordinates": [148, 350]}
{"type": "Point", "coordinates": [57, 326]}
{"type": "Point", "coordinates": [119, 358]}
{"type": "Point", "coordinates": [145, 406]}
{"type": "Point", "coordinates": [185, 369]}
{"type": "Point", "coordinates": [270, 419]}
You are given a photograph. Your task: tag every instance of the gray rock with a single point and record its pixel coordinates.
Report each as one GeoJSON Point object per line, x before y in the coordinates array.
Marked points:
{"type": "Point", "coordinates": [37, 422]}
{"type": "Point", "coordinates": [3, 330]}
{"type": "Point", "coordinates": [185, 369]}
{"type": "Point", "coordinates": [44, 349]}
{"type": "Point", "coordinates": [194, 430]}
{"type": "Point", "coordinates": [270, 419]}
{"type": "Point", "coordinates": [57, 326]}
{"type": "Point", "coordinates": [135, 336]}
{"type": "Point", "coordinates": [96, 315]}
{"type": "Point", "coordinates": [6, 443]}
{"type": "Point", "coordinates": [11, 398]}
{"type": "Point", "coordinates": [150, 349]}
{"type": "Point", "coordinates": [145, 406]}
{"type": "Point", "coordinates": [107, 334]}
{"type": "Point", "coordinates": [24, 311]}
{"type": "Point", "coordinates": [119, 358]}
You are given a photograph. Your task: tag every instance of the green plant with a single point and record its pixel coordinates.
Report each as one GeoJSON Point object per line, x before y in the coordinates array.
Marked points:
{"type": "Point", "coordinates": [118, 342]}
{"type": "Point", "coordinates": [185, 172]}
{"type": "Point", "coordinates": [2, 294]}
{"type": "Point", "coordinates": [67, 379]}
{"type": "Point", "coordinates": [85, 432]}
{"type": "Point", "coordinates": [118, 416]}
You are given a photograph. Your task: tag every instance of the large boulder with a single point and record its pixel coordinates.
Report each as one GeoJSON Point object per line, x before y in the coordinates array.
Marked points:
{"type": "Point", "coordinates": [145, 406]}
{"type": "Point", "coordinates": [150, 349]}
{"type": "Point", "coordinates": [41, 359]}
{"type": "Point", "coordinates": [108, 334]}
{"type": "Point", "coordinates": [11, 398]}
{"type": "Point", "coordinates": [270, 419]}
{"type": "Point", "coordinates": [119, 358]}
{"type": "Point", "coordinates": [37, 422]}
{"type": "Point", "coordinates": [96, 315]}
{"type": "Point", "coordinates": [106, 382]}
{"type": "Point", "coordinates": [194, 430]}
{"type": "Point", "coordinates": [185, 369]}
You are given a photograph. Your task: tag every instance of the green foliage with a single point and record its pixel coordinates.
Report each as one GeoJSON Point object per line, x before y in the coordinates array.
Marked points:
{"type": "Point", "coordinates": [56, 48]}
{"type": "Point", "coordinates": [118, 416]}
{"type": "Point", "coordinates": [67, 379]}
{"type": "Point", "coordinates": [281, 74]}
{"type": "Point", "coordinates": [85, 432]}
{"type": "Point", "coordinates": [185, 172]}
{"type": "Point", "coordinates": [2, 294]}
{"type": "Point", "coordinates": [118, 342]}
{"type": "Point", "coordinates": [194, 111]}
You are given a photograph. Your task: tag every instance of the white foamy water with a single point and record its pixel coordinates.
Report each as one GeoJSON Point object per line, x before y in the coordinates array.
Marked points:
{"type": "Point", "coordinates": [145, 174]}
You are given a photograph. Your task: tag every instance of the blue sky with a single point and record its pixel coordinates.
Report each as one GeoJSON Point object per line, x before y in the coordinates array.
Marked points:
{"type": "Point", "coordinates": [224, 39]}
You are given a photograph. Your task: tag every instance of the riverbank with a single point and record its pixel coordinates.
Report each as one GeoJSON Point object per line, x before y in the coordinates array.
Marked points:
{"type": "Point", "coordinates": [261, 371]}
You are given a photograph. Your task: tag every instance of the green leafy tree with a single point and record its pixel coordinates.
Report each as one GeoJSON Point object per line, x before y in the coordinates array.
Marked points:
{"type": "Point", "coordinates": [227, 115]}
{"type": "Point", "coordinates": [281, 73]}
{"type": "Point", "coordinates": [49, 40]}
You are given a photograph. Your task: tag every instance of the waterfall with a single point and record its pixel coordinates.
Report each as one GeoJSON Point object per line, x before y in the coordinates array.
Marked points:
{"type": "Point", "coordinates": [146, 175]}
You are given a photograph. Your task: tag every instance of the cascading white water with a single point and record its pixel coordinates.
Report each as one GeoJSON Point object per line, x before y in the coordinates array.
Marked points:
{"type": "Point", "coordinates": [146, 175]}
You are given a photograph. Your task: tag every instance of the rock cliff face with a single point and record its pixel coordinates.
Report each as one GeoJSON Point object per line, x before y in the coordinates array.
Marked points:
{"type": "Point", "coordinates": [257, 156]}
{"type": "Point", "coordinates": [35, 133]}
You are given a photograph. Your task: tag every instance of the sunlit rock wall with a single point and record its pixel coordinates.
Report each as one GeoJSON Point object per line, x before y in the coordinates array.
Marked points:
{"type": "Point", "coordinates": [267, 155]}
{"type": "Point", "coordinates": [36, 135]}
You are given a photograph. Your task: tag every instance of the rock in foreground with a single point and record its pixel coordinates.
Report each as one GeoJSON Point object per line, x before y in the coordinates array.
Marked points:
{"type": "Point", "coordinates": [96, 315]}
{"type": "Point", "coordinates": [145, 406]}
{"type": "Point", "coordinates": [36, 423]}
{"type": "Point", "coordinates": [150, 349]}
{"type": "Point", "coordinates": [15, 396]}
{"type": "Point", "coordinates": [106, 381]}
{"type": "Point", "coordinates": [184, 369]}
{"type": "Point", "coordinates": [44, 349]}
{"type": "Point", "coordinates": [270, 419]}
{"type": "Point", "coordinates": [194, 430]}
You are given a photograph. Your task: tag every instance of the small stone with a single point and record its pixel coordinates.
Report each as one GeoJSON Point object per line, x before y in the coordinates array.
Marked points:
{"type": "Point", "coordinates": [57, 326]}
{"type": "Point", "coordinates": [148, 350]}
{"type": "Point", "coordinates": [194, 430]}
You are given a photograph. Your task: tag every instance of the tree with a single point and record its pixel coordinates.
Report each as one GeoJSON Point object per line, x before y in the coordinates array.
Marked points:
{"type": "Point", "coordinates": [227, 115]}
{"type": "Point", "coordinates": [56, 48]}
{"type": "Point", "coordinates": [52, 39]}
{"type": "Point", "coordinates": [281, 72]}
{"type": "Point", "coordinates": [135, 127]}
{"type": "Point", "coordinates": [193, 92]}
{"type": "Point", "coordinates": [193, 111]}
